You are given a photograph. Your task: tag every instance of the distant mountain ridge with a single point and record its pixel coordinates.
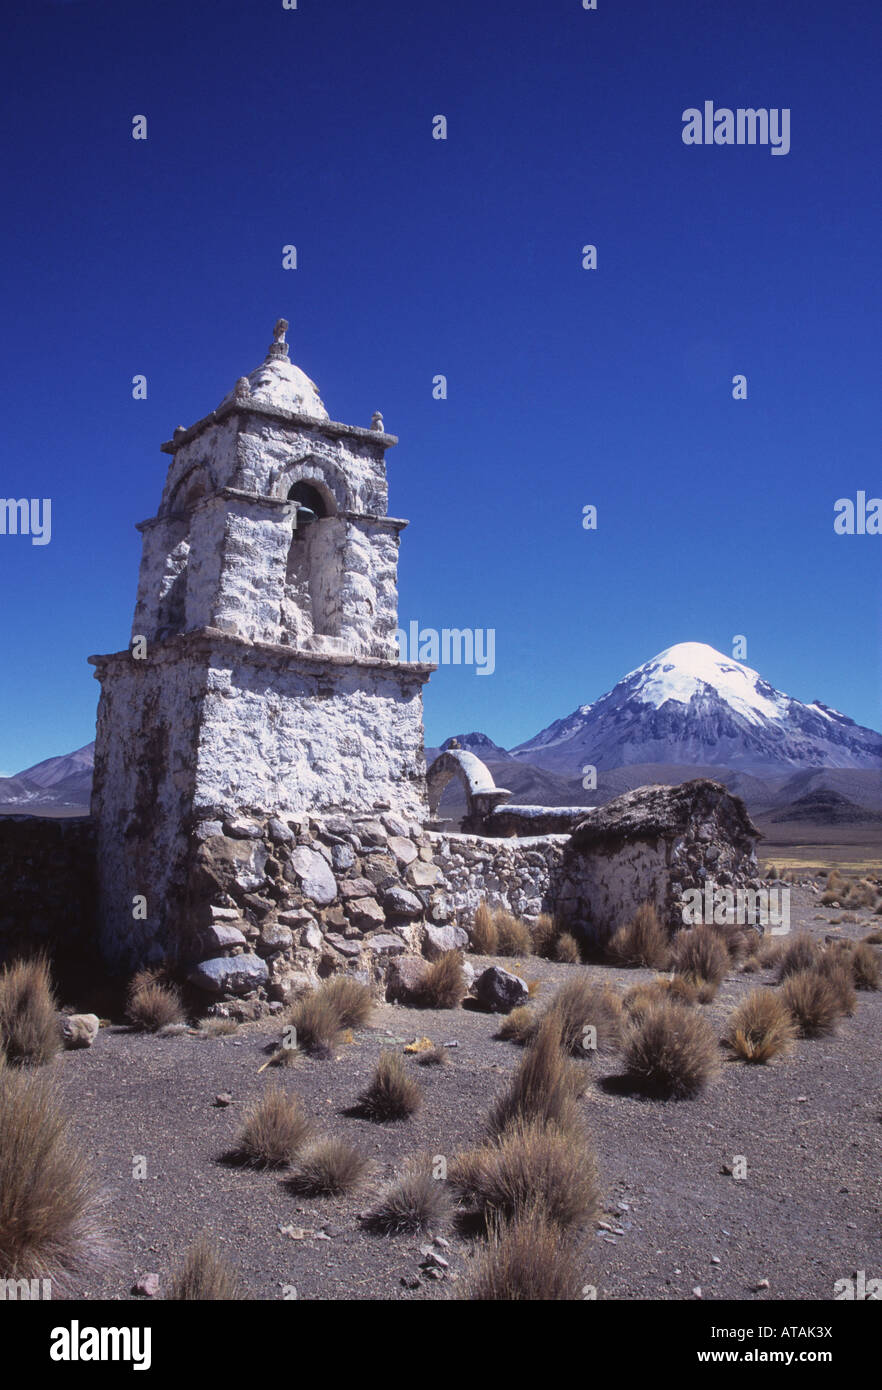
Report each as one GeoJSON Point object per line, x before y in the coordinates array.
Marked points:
{"type": "Point", "coordinates": [63, 783]}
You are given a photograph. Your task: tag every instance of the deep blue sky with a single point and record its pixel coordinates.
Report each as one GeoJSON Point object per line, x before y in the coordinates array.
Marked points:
{"type": "Point", "coordinates": [417, 256]}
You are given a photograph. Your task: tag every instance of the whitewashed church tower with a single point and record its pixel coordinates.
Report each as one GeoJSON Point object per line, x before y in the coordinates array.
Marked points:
{"type": "Point", "coordinates": [263, 675]}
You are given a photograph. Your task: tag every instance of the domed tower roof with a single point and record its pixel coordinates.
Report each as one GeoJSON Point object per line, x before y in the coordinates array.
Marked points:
{"type": "Point", "coordinates": [278, 382]}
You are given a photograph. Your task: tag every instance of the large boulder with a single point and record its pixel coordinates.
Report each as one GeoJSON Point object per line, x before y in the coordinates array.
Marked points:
{"type": "Point", "coordinates": [229, 974]}
{"type": "Point", "coordinates": [441, 939]}
{"type": "Point", "coordinates": [79, 1030]}
{"type": "Point", "coordinates": [500, 991]}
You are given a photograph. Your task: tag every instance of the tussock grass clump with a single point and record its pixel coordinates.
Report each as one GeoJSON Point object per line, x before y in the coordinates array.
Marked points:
{"type": "Point", "coordinates": [800, 953]}
{"type": "Point", "coordinates": [328, 1167]}
{"type": "Point", "coordinates": [528, 1260]}
{"type": "Point", "coordinates": [532, 1165]}
{"type": "Point", "coordinates": [351, 999]}
{"type": "Point", "coordinates": [566, 949]}
{"type": "Point", "coordinates": [700, 955]}
{"type": "Point", "coordinates": [865, 967]}
{"type": "Point", "coordinates": [512, 935]}
{"type": "Point", "coordinates": [642, 941]}
{"type": "Point", "coordinates": [152, 1003]}
{"type": "Point", "coordinates": [771, 951]}
{"type": "Point", "coordinates": [50, 1207]}
{"type": "Point", "coordinates": [543, 933]}
{"type": "Point", "coordinates": [520, 1025]}
{"type": "Point", "coordinates": [434, 1057]}
{"type": "Point", "coordinates": [811, 1000]}
{"type": "Point", "coordinates": [274, 1132]}
{"type": "Point", "coordinates": [321, 1016]}
{"type": "Point", "coordinates": [545, 1084]}
{"type": "Point", "coordinates": [835, 966]}
{"type": "Point", "coordinates": [217, 1027]}
{"type": "Point", "coordinates": [29, 1028]}
{"type": "Point", "coordinates": [392, 1093]}
{"type": "Point", "coordinates": [640, 997]}
{"type": "Point", "coordinates": [671, 1051]}
{"type": "Point", "coordinates": [874, 938]}
{"type": "Point", "coordinates": [581, 1004]}
{"type": "Point", "coordinates": [861, 895]}
{"type": "Point", "coordinates": [761, 1027]}
{"type": "Point", "coordinates": [483, 936]}
{"type": "Point", "coordinates": [415, 1201]}
{"type": "Point", "coordinates": [836, 890]}
{"type": "Point", "coordinates": [206, 1276]}
{"type": "Point", "coordinates": [443, 983]}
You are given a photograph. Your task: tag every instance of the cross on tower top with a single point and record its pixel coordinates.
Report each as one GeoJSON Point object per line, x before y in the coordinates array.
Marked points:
{"type": "Point", "coordinates": [278, 346]}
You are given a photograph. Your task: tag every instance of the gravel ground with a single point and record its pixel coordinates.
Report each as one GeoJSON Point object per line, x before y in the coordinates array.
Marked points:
{"type": "Point", "coordinates": [808, 1213]}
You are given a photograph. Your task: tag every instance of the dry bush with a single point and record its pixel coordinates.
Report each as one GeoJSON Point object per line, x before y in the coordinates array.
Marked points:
{"type": "Point", "coordinates": [812, 1002]}
{"type": "Point", "coordinates": [701, 956]}
{"type": "Point", "coordinates": [835, 966]}
{"type": "Point", "coordinates": [581, 1004]}
{"type": "Point", "coordinates": [328, 1167]}
{"type": "Point", "coordinates": [671, 1050]}
{"type": "Point", "coordinates": [530, 1165]}
{"type": "Point", "coordinates": [528, 1260]}
{"type": "Point", "coordinates": [414, 1201]}
{"type": "Point", "coordinates": [391, 1094]}
{"type": "Point", "coordinates": [483, 935]}
{"type": "Point", "coordinates": [217, 1027]}
{"type": "Point", "coordinates": [761, 1027]}
{"type": "Point", "coordinates": [771, 951]}
{"type": "Point", "coordinates": [205, 1276]}
{"type": "Point", "coordinates": [350, 998]}
{"type": "Point", "coordinates": [771, 871]}
{"type": "Point", "coordinates": [861, 895]}
{"type": "Point", "coordinates": [642, 941]}
{"type": "Point", "coordinates": [545, 1084]}
{"type": "Point", "coordinates": [50, 1207]}
{"type": "Point", "coordinates": [152, 1003]}
{"type": "Point", "coordinates": [543, 933]}
{"type": "Point", "coordinates": [443, 983]}
{"type": "Point", "coordinates": [321, 1016]}
{"type": "Point", "coordinates": [800, 953]}
{"type": "Point", "coordinates": [29, 1028]}
{"type": "Point", "coordinates": [874, 938]}
{"type": "Point", "coordinates": [512, 935]}
{"type": "Point", "coordinates": [836, 890]}
{"type": "Point", "coordinates": [520, 1025]}
{"type": "Point", "coordinates": [274, 1131]}
{"type": "Point", "coordinates": [434, 1057]}
{"type": "Point", "coordinates": [566, 949]}
{"type": "Point", "coordinates": [864, 966]}
{"type": "Point", "coordinates": [751, 966]}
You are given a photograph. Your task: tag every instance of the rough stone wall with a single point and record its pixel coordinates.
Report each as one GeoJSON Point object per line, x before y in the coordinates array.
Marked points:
{"type": "Point", "coordinates": [652, 845]}
{"type": "Point", "coordinates": [275, 904]}
{"type": "Point", "coordinates": [47, 885]}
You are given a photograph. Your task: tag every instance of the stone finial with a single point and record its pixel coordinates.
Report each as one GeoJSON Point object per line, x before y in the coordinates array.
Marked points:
{"type": "Point", "coordinates": [278, 347]}
{"type": "Point", "coordinates": [243, 389]}
{"type": "Point", "coordinates": [377, 422]}
{"type": "Point", "coordinates": [454, 743]}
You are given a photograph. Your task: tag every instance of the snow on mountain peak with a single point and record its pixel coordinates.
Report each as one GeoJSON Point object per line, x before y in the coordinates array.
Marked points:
{"type": "Point", "coordinates": [679, 672]}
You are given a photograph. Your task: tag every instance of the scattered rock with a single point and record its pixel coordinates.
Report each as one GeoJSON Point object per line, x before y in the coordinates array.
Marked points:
{"type": "Point", "coordinates": [223, 1099]}
{"type": "Point", "coordinates": [500, 991]}
{"type": "Point", "coordinates": [79, 1030]}
{"type": "Point", "coordinates": [146, 1285]}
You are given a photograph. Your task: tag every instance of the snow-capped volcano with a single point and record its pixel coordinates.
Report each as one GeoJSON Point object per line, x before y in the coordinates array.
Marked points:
{"type": "Point", "coordinates": [693, 705]}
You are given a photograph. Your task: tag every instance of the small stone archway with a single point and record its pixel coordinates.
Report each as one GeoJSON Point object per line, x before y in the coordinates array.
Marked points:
{"type": "Point", "coordinates": [482, 793]}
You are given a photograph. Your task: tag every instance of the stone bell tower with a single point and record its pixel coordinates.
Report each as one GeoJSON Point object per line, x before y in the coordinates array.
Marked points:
{"type": "Point", "coordinates": [263, 674]}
